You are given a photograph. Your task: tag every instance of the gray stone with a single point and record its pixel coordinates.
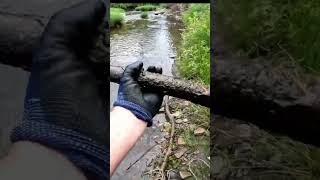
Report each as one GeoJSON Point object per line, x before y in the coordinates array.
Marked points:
{"type": "Point", "coordinates": [180, 152]}
{"type": "Point", "coordinates": [199, 131]}
{"type": "Point", "coordinates": [185, 174]}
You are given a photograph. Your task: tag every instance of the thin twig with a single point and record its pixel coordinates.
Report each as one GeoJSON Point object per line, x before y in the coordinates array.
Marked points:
{"type": "Point", "coordinates": [170, 117]}
{"type": "Point", "coordinates": [168, 152]}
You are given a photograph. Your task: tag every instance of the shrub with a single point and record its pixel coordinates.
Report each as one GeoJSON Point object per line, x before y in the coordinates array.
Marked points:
{"type": "Point", "coordinates": [194, 56]}
{"type": "Point", "coordinates": [148, 7]}
{"type": "Point", "coordinates": [116, 17]}
{"type": "Point", "coordinates": [274, 29]}
{"type": "Point", "coordinates": [144, 15]}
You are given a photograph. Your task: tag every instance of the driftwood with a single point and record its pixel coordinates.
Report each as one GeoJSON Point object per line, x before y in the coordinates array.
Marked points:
{"type": "Point", "coordinates": [170, 86]}
{"type": "Point", "coordinates": [276, 98]}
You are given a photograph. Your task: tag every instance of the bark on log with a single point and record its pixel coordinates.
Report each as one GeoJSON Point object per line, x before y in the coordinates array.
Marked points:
{"type": "Point", "coordinates": [168, 85]}
{"type": "Point", "coordinates": [268, 96]}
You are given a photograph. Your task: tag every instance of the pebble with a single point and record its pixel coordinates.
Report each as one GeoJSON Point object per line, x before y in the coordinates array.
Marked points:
{"type": "Point", "coordinates": [185, 174]}
{"type": "Point", "coordinates": [181, 141]}
{"type": "Point", "coordinates": [176, 114]}
{"type": "Point", "coordinates": [179, 121]}
{"type": "Point", "coordinates": [180, 152]}
{"type": "Point", "coordinates": [173, 175]}
{"type": "Point", "coordinates": [199, 131]}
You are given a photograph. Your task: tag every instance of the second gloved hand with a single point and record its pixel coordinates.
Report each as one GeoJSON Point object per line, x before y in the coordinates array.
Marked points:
{"type": "Point", "coordinates": [144, 104]}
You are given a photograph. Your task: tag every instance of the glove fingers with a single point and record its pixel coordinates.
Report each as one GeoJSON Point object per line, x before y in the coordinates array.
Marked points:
{"type": "Point", "coordinates": [154, 69]}
{"type": "Point", "coordinates": [150, 98]}
{"type": "Point", "coordinates": [133, 70]}
{"type": "Point", "coordinates": [75, 27]}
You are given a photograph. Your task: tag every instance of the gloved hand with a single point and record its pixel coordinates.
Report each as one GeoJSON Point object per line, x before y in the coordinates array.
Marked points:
{"type": "Point", "coordinates": [144, 104]}
{"type": "Point", "coordinates": [64, 105]}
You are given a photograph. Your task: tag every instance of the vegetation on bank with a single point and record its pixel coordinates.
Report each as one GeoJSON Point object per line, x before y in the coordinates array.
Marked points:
{"type": "Point", "coordinates": [116, 17]}
{"type": "Point", "coordinates": [144, 15]}
{"type": "Point", "coordinates": [147, 7]}
{"type": "Point", "coordinates": [117, 11]}
{"type": "Point", "coordinates": [277, 30]}
{"type": "Point", "coordinates": [136, 6]}
{"type": "Point", "coordinates": [194, 54]}
{"type": "Point", "coordinates": [125, 6]}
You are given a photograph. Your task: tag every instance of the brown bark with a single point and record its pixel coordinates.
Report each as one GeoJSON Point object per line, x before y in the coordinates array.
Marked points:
{"type": "Point", "coordinates": [167, 85]}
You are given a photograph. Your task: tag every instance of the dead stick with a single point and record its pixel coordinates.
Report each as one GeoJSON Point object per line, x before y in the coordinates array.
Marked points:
{"type": "Point", "coordinates": [169, 149]}
{"type": "Point", "coordinates": [168, 85]}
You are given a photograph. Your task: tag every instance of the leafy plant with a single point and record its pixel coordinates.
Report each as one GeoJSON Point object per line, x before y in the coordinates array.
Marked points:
{"type": "Point", "coordinates": [194, 57]}
{"type": "Point", "coordinates": [274, 29]}
{"type": "Point", "coordinates": [144, 15]}
{"type": "Point", "coordinates": [116, 17]}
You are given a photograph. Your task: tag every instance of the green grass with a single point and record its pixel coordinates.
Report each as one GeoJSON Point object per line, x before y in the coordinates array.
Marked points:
{"type": "Point", "coordinates": [125, 6]}
{"type": "Point", "coordinates": [194, 54]}
{"type": "Point", "coordinates": [132, 6]}
{"type": "Point", "coordinates": [147, 7]}
{"type": "Point", "coordinates": [116, 17]}
{"type": "Point", "coordinates": [144, 15]}
{"type": "Point", "coordinates": [286, 30]}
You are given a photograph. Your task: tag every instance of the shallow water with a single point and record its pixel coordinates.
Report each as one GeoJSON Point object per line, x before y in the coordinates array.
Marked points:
{"type": "Point", "coordinates": [151, 40]}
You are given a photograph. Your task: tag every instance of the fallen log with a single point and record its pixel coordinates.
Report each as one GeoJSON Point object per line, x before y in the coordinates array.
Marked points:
{"type": "Point", "coordinates": [276, 98]}
{"type": "Point", "coordinates": [168, 85]}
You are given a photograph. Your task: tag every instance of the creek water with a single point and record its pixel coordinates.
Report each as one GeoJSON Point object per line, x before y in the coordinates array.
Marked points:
{"type": "Point", "coordinates": [153, 41]}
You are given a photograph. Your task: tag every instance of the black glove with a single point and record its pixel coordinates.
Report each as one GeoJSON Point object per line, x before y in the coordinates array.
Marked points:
{"type": "Point", "coordinates": [145, 104]}
{"type": "Point", "coordinates": [64, 105]}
